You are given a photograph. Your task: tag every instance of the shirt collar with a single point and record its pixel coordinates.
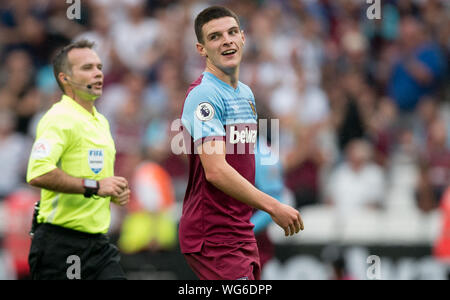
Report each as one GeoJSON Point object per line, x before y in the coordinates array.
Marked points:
{"type": "Point", "coordinates": [223, 83]}
{"type": "Point", "coordinates": [69, 101]}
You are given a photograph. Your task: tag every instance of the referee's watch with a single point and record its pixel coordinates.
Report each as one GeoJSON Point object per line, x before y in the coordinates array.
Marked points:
{"type": "Point", "coordinates": [91, 187]}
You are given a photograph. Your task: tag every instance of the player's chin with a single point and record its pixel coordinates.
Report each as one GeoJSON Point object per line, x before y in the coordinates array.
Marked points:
{"type": "Point", "coordinates": [230, 65]}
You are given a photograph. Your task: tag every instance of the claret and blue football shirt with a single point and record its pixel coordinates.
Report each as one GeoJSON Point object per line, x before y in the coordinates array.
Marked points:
{"type": "Point", "coordinates": [214, 110]}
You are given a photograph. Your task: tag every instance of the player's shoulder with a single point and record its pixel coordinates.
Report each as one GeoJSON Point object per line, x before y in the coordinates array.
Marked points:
{"type": "Point", "coordinates": [204, 88]}
{"type": "Point", "coordinates": [203, 91]}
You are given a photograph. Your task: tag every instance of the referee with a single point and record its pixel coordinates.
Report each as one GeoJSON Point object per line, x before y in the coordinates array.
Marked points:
{"type": "Point", "coordinates": [72, 161]}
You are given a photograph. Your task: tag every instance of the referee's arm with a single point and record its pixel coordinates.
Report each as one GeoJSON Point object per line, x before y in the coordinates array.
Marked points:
{"type": "Point", "coordinates": [58, 181]}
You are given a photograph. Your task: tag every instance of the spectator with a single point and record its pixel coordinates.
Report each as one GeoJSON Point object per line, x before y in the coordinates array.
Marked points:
{"type": "Point", "coordinates": [441, 249]}
{"type": "Point", "coordinates": [136, 38]}
{"type": "Point", "coordinates": [418, 69]}
{"type": "Point", "coordinates": [357, 183]}
{"type": "Point", "coordinates": [434, 167]}
{"type": "Point", "coordinates": [352, 108]}
{"type": "Point", "coordinates": [382, 131]}
{"type": "Point", "coordinates": [150, 224]}
{"type": "Point", "coordinates": [19, 76]}
{"type": "Point", "coordinates": [100, 34]}
{"type": "Point", "coordinates": [19, 212]}
{"type": "Point", "coordinates": [14, 150]}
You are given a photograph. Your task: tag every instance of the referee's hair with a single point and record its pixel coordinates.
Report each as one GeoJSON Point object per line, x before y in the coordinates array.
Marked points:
{"type": "Point", "coordinates": [211, 13]}
{"type": "Point", "coordinates": [61, 61]}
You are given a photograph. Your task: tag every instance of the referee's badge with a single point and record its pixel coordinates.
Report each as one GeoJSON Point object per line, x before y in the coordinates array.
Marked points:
{"type": "Point", "coordinates": [95, 159]}
{"type": "Point", "coordinates": [41, 149]}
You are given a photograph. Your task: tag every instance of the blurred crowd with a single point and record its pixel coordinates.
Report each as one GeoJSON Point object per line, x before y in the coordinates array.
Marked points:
{"type": "Point", "coordinates": [354, 96]}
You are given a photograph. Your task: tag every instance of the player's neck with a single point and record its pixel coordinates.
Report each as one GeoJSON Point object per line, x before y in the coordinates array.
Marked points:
{"type": "Point", "coordinates": [231, 78]}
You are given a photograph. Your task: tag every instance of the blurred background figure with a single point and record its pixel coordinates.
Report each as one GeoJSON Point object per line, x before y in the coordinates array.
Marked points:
{"type": "Point", "coordinates": [19, 209]}
{"type": "Point", "coordinates": [269, 179]}
{"type": "Point", "coordinates": [150, 224]}
{"type": "Point", "coordinates": [441, 249]}
{"type": "Point", "coordinates": [335, 258]}
{"type": "Point", "coordinates": [357, 183]}
{"type": "Point", "coordinates": [136, 37]}
{"type": "Point", "coordinates": [13, 154]}
{"type": "Point", "coordinates": [419, 66]}
{"type": "Point", "coordinates": [434, 177]}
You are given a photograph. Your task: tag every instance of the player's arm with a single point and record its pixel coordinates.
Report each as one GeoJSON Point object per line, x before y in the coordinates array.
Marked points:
{"type": "Point", "coordinates": [223, 176]}
{"type": "Point", "coordinates": [59, 181]}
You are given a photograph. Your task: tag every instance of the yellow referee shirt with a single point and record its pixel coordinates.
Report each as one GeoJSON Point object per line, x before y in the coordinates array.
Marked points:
{"type": "Point", "coordinates": [80, 144]}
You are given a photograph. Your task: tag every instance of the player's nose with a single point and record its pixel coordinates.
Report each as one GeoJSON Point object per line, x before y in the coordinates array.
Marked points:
{"type": "Point", "coordinates": [227, 39]}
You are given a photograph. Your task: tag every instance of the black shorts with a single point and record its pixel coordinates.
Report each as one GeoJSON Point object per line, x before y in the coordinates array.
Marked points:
{"type": "Point", "coordinates": [60, 253]}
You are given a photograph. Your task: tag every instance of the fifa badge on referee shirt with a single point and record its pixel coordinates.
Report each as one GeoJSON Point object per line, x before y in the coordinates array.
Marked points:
{"type": "Point", "coordinates": [95, 158]}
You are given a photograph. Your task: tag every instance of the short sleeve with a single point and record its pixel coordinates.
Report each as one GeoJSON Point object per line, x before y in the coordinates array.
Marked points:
{"type": "Point", "coordinates": [203, 114]}
{"type": "Point", "coordinates": [51, 141]}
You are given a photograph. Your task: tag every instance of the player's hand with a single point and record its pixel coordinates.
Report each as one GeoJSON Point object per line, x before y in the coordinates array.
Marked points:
{"type": "Point", "coordinates": [288, 218]}
{"type": "Point", "coordinates": [112, 186]}
{"type": "Point", "coordinates": [123, 198]}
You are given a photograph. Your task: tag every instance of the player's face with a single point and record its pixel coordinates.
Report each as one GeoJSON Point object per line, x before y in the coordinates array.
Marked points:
{"type": "Point", "coordinates": [86, 70]}
{"type": "Point", "coordinates": [223, 43]}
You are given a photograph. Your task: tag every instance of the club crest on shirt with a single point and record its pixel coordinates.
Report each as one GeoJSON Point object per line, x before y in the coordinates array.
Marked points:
{"type": "Point", "coordinates": [95, 159]}
{"type": "Point", "coordinates": [253, 107]}
{"type": "Point", "coordinates": [204, 111]}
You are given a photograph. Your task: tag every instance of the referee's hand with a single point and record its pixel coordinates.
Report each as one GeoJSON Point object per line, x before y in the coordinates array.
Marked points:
{"type": "Point", "coordinates": [113, 186]}
{"type": "Point", "coordinates": [123, 198]}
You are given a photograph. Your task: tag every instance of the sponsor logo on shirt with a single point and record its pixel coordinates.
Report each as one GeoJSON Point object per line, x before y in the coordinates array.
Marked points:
{"type": "Point", "coordinates": [244, 136]}
{"type": "Point", "coordinates": [95, 159]}
{"type": "Point", "coordinates": [41, 149]}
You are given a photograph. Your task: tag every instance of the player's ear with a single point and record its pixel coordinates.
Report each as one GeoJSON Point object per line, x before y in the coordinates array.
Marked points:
{"type": "Point", "coordinates": [243, 36]}
{"type": "Point", "coordinates": [201, 50]}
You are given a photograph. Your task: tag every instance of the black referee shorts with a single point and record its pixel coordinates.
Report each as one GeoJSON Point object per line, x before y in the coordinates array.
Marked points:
{"type": "Point", "coordinates": [58, 253]}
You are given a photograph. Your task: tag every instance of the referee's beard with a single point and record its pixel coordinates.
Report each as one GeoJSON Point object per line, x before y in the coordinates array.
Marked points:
{"type": "Point", "coordinates": [87, 95]}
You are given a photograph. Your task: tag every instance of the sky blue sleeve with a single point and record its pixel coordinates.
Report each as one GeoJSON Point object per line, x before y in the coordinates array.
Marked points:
{"type": "Point", "coordinates": [261, 220]}
{"type": "Point", "coordinates": [268, 178]}
{"type": "Point", "coordinates": [203, 113]}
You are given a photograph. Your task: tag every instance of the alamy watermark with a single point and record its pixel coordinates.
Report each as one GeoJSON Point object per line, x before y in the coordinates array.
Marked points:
{"type": "Point", "coordinates": [74, 268]}
{"type": "Point", "coordinates": [74, 10]}
{"type": "Point", "coordinates": [241, 137]}
{"type": "Point", "coordinates": [374, 269]}
{"type": "Point", "coordinates": [374, 10]}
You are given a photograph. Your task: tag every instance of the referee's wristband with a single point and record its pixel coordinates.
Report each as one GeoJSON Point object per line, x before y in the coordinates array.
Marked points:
{"type": "Point", "coordinates": [91, 187]}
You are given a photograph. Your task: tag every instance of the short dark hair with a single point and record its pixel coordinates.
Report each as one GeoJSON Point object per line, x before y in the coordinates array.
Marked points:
{"type": "Point", "coordinates": [211, 13]}
{"type": "Point", "coordinates": [61, 61]}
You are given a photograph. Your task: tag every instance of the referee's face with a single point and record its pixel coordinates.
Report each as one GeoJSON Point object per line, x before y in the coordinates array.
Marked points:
{"type": "Point", "coordinates": [223, 43]}
{"type": "Point", "coordinates": [86, 72]}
